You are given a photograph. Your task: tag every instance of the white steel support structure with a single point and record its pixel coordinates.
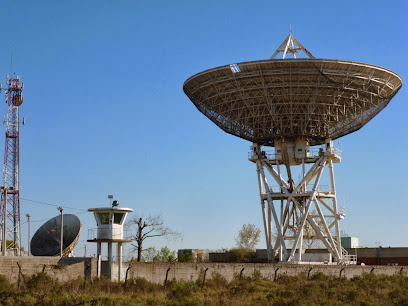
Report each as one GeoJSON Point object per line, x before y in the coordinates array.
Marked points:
{"type": "Point", "coordinates": [293, 212]}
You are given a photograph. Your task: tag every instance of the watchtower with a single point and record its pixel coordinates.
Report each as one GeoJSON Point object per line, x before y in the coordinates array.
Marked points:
{"type": "Point", "coordinates": [110, 221]}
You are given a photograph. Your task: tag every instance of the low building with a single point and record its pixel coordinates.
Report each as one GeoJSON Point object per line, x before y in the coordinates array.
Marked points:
{"type": "Point", "coordinates": [217, 257]}
{"type": "Point", "coordinates": [196, 255]}
{"type": "Point", "coordinates": [382, 256]}
{"type": "Point", "coordinates": [349, 242]}
{"type": "Point", "coordinates": [368, 256]}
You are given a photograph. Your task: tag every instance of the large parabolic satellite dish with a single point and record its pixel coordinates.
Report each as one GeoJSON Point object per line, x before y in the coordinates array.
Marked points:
{"type": "Point", "coordinates": [47, 239]}
{"type": "Point", "coordinates": [292, 104]}
{"type": "Point", "coordinates": [308, 98]}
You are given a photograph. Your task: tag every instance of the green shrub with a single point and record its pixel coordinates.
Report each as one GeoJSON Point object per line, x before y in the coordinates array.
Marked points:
{"type": "Point", "coordinates": [257, 275]}
{"type": "Point", "coordinates": [42, 283]}
{"type": "Point", "coordinates": [180, 290]}
{"type": "Point", "coordinates": [320, 277]}
{"type": "Point", "coordinates": [216, 281]}
{"type": "Point", "coordinates": [142, 285]}
{"type": "Point", "coordinates": [240, 255]}
{"type": "Point", "coordinates": [320, 289]}
{"type": "Point", "coordinates": [184, 256]}
{"type": "Point", "coordinates": [5, 285]}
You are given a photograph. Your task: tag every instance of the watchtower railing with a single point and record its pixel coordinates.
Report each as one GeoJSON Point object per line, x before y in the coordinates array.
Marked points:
{"type": "Point", "coordinates": [111, 233]}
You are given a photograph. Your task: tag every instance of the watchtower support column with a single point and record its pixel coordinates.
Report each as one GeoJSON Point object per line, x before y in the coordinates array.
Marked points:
{"type": "Point", "coordinates": [119, 259]}
{"type": "Point", "coordinates": [109, 260]}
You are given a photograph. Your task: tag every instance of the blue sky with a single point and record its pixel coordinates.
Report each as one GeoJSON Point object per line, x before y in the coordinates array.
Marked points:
{"type": "Point", "coordinates": [106, 113]}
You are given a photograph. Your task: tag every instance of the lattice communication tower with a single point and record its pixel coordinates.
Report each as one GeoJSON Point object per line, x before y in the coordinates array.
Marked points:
{"type": "Point", "coordinates": [10, 200]}
{"type": "Point", "coordinates": [292, 104]}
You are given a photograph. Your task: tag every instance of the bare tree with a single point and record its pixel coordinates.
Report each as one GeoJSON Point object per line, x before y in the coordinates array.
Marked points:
{"type": "Point", "coordinates": [152, 226]}
{"type": "Point", "coordinates": [310, 238]}
{"type": "Point", "coordinates": [248, 237]}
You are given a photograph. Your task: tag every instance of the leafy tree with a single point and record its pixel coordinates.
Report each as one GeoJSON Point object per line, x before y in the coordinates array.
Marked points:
{"type": "Point", "coordinates": [152, 226]}
{"type": "Point", "coordinates": [248, 237]}
{"type": "Point", "coordinates": [163, 255]}
{"type": "Point", "coordinates": [184, 257]}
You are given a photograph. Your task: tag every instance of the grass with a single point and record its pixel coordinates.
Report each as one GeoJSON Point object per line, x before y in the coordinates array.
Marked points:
{"type": "Point", "coordinates": [320, 289]}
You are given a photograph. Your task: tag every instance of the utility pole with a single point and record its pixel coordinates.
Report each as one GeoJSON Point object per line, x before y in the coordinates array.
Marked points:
{"type": "Point", "coordinates": [29, 235]}
{"type": "Point", "coordinates": [62, 231]}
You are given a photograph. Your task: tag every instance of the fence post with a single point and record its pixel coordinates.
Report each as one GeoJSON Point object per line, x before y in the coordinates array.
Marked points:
{"type": "Point", "coordinates": [20, 274]}
{"type": "Point", "coordinates": [308, 273]}
{"type": "Point", "coordinates": [240, 274]}
{"type": "Point", "coordinates": [127, 271]}
{"type": "Point", "coordinates": [165, 281]}
{"type": "Point", "coordinates": [205, 273]}
{"type": "Point", "coordinates": [276, 271]}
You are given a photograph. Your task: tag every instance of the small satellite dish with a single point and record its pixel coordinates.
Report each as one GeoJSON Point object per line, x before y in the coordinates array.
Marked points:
{"type": "Point", "coordinates": [46, 240]}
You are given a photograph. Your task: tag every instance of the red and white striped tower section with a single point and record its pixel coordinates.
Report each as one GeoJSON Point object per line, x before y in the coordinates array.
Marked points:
{"type": "Point", "coordinates": [10, 200]}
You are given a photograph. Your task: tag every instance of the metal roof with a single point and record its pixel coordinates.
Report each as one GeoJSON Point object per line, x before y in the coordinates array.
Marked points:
{"type": "Point", "coordinates": [109, 209]}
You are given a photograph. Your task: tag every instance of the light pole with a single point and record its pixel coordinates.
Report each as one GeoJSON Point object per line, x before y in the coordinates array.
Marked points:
{"type": "Point", "coordinates": [29, 235]}
{"type": "Point", "coordinates": [62, 231]}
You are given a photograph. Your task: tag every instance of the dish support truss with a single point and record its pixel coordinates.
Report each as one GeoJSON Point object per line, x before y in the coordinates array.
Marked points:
{"type": "Point", "coordinates": [299, 212]}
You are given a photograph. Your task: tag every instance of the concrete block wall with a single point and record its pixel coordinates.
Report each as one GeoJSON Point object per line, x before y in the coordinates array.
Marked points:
{"type": "Point", "coordinates": [64, 268]}
{"type": "Point", "coordinates": [156, 272]}
{"type": "Point", "coordinates": [70, 268]}
{"type": "Point", "coordinates": [105, 273]}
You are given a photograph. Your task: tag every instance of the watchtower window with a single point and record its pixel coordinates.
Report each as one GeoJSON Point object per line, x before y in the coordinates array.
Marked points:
{"type": "Point", "coordinates": [117, 218]}
{"type": "Point", "coordinates": [104, 217]}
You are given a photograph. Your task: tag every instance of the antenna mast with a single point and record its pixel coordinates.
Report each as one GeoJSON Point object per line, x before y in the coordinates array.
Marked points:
{"type": "Point", "coordinates": [291, 45]}
{"type": "Point", "coordinates": [10, 199]}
